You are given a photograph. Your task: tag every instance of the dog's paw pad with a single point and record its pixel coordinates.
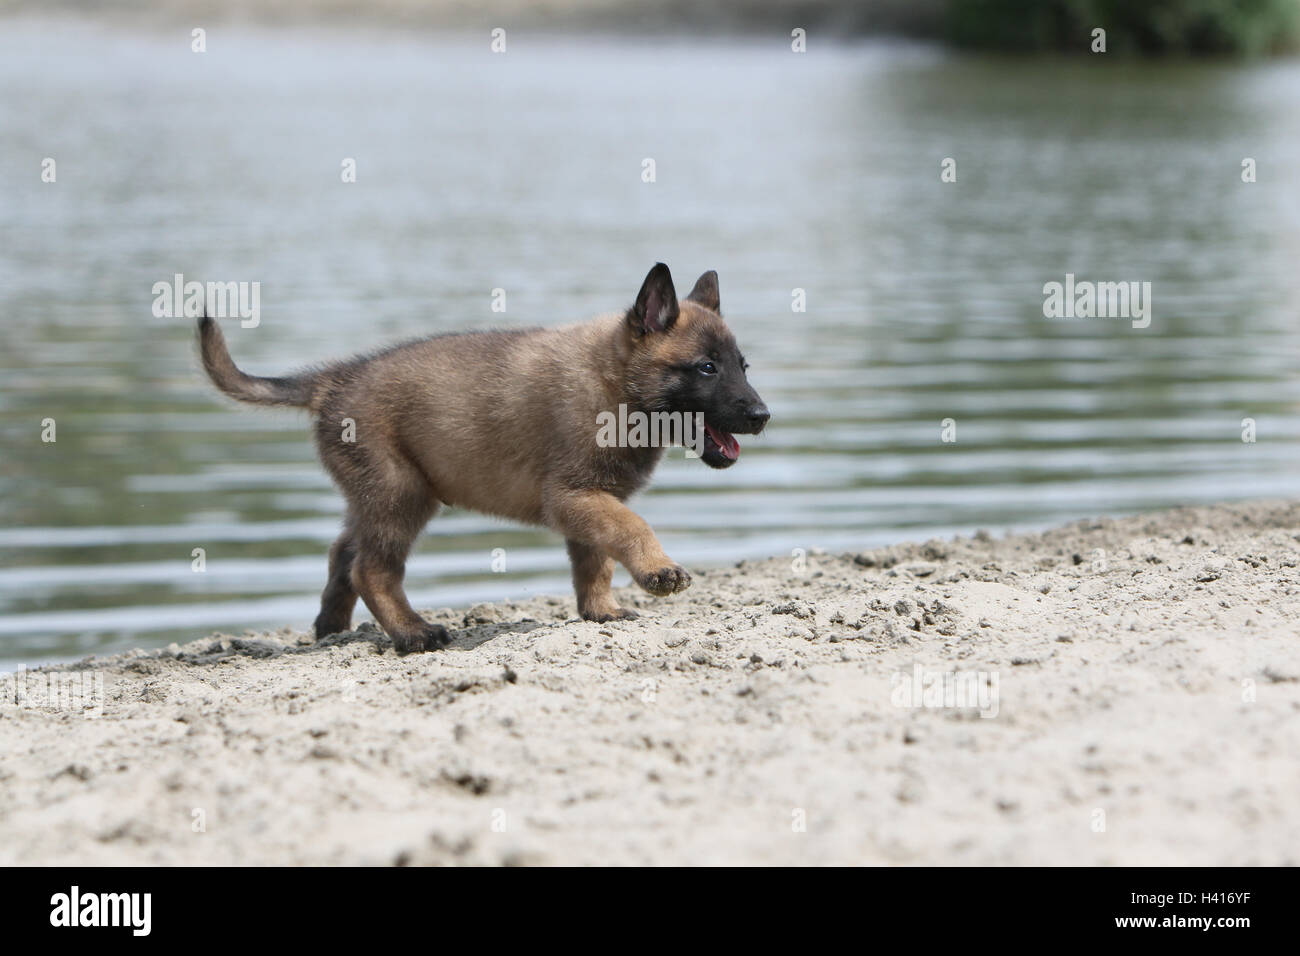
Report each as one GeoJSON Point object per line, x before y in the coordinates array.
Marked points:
{"type": "Point", "coordinates": [666, 580]}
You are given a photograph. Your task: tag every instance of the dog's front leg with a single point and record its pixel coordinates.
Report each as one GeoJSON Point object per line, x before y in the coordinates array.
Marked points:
{"type": "Point", "coordinates": [592, 572]}
{"type": "Point", "coordinates": [604, 524]}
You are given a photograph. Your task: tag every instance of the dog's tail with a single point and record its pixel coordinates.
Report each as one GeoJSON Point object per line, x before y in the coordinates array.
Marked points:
{"type": "Point", "coordinates": [293, 390]}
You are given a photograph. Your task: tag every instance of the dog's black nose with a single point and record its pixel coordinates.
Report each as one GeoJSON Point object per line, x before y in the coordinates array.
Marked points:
{"type": "Point", "coordinates": [758, 415]}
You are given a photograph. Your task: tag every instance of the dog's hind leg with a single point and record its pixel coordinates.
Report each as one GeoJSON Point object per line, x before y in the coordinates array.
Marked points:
{"type": "Point", "coordinates": [377, 575]}
{"type": "Point", "coordinates": [592, 572]}
{"type": "Point", "coordinates": [396, 507]}
{"type": "Point", "coordinates": [339, 597]}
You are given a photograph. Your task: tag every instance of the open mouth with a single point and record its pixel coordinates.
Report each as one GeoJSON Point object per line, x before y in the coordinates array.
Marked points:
{"type": "Point", "coordinates": [724, 443]}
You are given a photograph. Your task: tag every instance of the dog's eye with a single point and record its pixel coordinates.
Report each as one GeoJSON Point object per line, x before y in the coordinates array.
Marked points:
{"type": "Point", "coordinates": [707, 368]}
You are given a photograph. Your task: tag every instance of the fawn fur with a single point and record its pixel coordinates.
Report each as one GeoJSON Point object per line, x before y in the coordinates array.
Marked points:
{"type": "Point", "coordinates": [505, 423]}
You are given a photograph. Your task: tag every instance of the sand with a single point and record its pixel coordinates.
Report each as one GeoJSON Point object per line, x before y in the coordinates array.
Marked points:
{"type": "Point", "coordinates": [1122, 692]}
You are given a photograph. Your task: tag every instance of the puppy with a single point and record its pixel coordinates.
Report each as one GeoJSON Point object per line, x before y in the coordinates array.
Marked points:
{"type": "Point", "coordinates": [509, 423]}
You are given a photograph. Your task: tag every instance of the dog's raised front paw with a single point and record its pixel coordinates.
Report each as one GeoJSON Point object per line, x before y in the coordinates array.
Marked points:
{"type": "Point", "coordinates": [665, 581]}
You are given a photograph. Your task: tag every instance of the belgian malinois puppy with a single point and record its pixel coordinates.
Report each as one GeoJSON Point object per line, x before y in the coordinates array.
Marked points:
{"type": "Point", "coordinates": [506, 423]}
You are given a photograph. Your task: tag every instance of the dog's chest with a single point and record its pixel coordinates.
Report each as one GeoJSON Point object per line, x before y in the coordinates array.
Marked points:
{"type": "Point", "coordinates": [624, 471]}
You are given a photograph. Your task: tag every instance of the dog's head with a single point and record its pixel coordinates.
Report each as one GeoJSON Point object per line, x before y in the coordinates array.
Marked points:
{"type": "Point", "coordinates": [684, 359]}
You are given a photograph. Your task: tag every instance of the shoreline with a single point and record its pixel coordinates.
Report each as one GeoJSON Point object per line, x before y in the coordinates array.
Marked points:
{"type": "Point", "coordinates": [1114, 691]}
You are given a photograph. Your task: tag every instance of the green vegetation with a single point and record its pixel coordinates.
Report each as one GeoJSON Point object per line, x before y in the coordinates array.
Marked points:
{"type": "Point", "coordinates": [1148, 27]}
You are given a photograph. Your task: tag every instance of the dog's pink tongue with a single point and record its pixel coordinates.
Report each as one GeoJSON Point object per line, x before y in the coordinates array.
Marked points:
{"type": "Point", "coordinates": [725, 441]}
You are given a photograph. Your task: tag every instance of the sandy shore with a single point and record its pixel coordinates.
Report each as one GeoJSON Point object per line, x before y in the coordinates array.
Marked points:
{"type": "Point", "coordinates": [1123, 692]}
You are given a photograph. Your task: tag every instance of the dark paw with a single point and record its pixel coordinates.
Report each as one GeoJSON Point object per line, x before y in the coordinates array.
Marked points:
{"type": "Point", "coordinates": [666, 580]}
{"type": "Point", "coordinates": [430, 638]}
{"type": "Point", "coordinates": [326, 626]}
{"type": "Point", "coordinates": [604, 617]}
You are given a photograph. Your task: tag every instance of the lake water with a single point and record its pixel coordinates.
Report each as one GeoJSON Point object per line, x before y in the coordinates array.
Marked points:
{"type": "Point", "coordinates": [523, 172]}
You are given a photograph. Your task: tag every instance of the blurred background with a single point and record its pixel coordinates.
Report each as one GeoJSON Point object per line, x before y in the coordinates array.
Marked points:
{"type": "Point", "coordinates": [817, 171]}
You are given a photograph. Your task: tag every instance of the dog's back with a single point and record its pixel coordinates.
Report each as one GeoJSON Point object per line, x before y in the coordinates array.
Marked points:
{"type": "Point", "coordinates": [489, 418]}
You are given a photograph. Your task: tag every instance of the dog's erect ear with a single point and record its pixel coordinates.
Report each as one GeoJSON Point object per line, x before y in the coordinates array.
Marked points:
{"type": "Point", "coordinates": [705, 292]}
{"type": "Point", "coordinates": [656, 304]}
